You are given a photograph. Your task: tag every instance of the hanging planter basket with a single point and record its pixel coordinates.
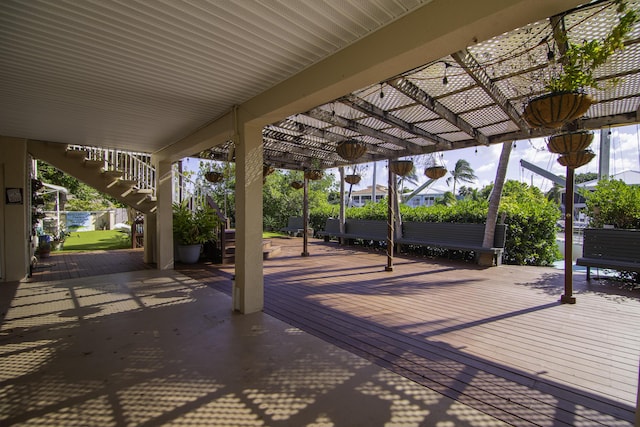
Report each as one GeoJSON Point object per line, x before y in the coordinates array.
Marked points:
{"type": "Point", "coordinates": [401, 167]}
{"type": "Point", "coordinates": [352, 179]}
{"type": "Point", "coordinates": [267, 170]}
{"type": "Point", "coordinates": [351, 149]}
{"type": "Point", "coordinates": [576, 159]}
{"type": "Point", "coordinates": [213, 177]}
{"type": "Point", "coordinates": [297, 184]}
{"type": "Point", "coordinates": [435, 172]}
{"type": "Point", "coordinates": [313, 174]}
{"type": "Point", "coordinates": [570, 142]}
{"type": "Point", "coordinates": [555, 109]}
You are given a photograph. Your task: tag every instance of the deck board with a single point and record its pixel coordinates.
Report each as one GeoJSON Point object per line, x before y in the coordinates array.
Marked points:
{"type": "Point", "coordinates": [496, 339]}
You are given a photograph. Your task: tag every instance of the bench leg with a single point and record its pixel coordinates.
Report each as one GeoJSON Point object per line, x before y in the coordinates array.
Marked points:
{"type": "Point", "coordinates": [588, 273]}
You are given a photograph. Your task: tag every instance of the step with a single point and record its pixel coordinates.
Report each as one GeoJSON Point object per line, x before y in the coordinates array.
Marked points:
{"type": "Point", "coordinates": [93, 164]}
{"type": "Point", "coordinates": [77, 154]}
{"type": "Point", "coordinates": [112, 174]}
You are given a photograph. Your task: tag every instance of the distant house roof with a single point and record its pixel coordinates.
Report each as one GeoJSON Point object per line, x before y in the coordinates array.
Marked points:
{"type": "Point", "coordinates": [629, 177]}
{"type": "Point", "coordinates": [380, 190]}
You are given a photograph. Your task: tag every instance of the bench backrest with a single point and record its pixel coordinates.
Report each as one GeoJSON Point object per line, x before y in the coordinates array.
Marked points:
{"type": "Point", "coordinates": [295, 222]}
{"type": "Point", "coordinates": [377, 229]}
{"type": "Point", "coordinates": [623, 245]}
{"type": "Point", "coordinates": [332, 225]}
{"type": "Point", "coordinates": [453, 233]}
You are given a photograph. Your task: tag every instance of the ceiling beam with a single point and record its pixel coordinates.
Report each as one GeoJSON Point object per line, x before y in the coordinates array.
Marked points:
{"type": "Point", "coordinates": [388, 118]}
{"type": "Point", "coordinates": [477, 73]}
{"type": "Point", "coordinates": [414, 92]}
{"type": "Point", "coordinates": [334, 119]}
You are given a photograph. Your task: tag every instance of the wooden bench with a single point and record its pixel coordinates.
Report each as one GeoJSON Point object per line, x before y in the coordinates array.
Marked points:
{"type": "Point", "coordinates": [355, 229]}
{"type": "Point", "coordinates": [456, 236]}
{"type": "Point", "coordinates": [295, 227]}
{"type": "Point", "coordinates": [614, 249]}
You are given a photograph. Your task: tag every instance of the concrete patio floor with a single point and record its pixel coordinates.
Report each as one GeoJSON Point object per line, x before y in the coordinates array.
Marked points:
{"type": "Point", "coordinates": [352, 345]}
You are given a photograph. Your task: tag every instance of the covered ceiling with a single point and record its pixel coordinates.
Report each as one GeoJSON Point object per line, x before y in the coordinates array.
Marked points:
{"type": "Point", "coordinates": [143, 74]}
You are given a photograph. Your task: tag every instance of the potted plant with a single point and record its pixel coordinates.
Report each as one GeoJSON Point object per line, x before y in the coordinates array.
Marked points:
{"type": "Point", "coordinates": [566, 100]}
{"type": "Point", "coordinates": [59, 238]}
{"type": "Point", "coordinates": [192, 228]}
{"type": "Point", "coordinates": [351, 149]}
{"type": "Point", "coordinates": [401, 167]}
{"type": "Point", "coordinates": [315, 172]}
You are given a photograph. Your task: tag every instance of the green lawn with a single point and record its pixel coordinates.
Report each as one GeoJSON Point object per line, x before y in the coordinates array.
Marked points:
{"type": "Point", "coordinates": [97, 240]}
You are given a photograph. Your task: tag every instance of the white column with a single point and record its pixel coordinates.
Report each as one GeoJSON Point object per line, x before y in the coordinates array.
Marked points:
{"type": "Point", "coordinates": [15, 227]}
{"type": "Point", "coordinates": [248, 292]}
{"type": "Point", "coordinates": [164, 216]}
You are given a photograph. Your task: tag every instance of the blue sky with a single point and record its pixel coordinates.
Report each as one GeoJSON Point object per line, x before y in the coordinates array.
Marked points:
{"type": "Point", "coordinates": [625, 155]}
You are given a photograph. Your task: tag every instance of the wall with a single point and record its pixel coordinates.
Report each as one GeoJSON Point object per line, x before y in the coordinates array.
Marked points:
{"type": "Point", "coordinates": [15, 231]}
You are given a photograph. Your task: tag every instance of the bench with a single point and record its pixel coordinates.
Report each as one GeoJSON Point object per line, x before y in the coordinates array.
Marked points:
{"type": "Point", "coordinates": [615, 249]}
{"type": "Point", "coordinates": [295, 227]}
{"type": "Point", "coordinates": [455, 236]}
{"type": "Point", "coordinates": [355, 229]}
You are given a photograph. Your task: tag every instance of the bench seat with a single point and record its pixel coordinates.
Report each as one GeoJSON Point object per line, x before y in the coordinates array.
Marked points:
{"type": "Point", "coordinates": [613, 249]}
{"type": "Point", "coordinates": [295, 227]}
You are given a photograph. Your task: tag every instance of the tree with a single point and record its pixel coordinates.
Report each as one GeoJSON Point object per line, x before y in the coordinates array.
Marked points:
{"type": "Point", "coordinates": [555, 193]}
{"type": "Point", "coordinates": [494, 201]}
{"type": "Point", "coordinates": [462, 172]}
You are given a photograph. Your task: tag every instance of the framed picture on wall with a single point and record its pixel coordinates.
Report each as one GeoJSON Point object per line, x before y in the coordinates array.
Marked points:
{"type": "Point", "coordinates": [14, 196]}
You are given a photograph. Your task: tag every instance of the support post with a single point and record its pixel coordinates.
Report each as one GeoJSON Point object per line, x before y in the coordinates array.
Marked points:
{"type": "Point", "coordinates": [164, 216]}
{"type": "Point", "coordinates": [248, 292]}
{"type": "Point", "coordinates": [305, 218]}
{"type": "Point", "coordinates": [568, 297]}
{"type": "Point", "coordinates": [390, 219]}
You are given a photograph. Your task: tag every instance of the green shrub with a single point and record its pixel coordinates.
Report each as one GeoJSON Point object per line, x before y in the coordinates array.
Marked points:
{"type": "Point", "coordinates": [614, 202]}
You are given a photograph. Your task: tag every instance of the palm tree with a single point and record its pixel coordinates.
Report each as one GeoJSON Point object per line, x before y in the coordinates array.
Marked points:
{"type": "Point", "coordinates": [462, 172]}
{"type": "Point", "coordinates": [555, 193]}
{"type": "Point", "coordinates": [494, 201]}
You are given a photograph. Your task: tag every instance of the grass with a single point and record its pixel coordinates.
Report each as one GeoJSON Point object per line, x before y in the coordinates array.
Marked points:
{"type": "Point", "coordinates": [112, 239]}
{"type": "Point", "coordinates": [97, 240]}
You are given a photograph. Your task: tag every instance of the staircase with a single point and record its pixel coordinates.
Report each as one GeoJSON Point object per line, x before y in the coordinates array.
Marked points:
{"type": "Point", "coordinates": [130, 178]}
{"type": "Point", "coordinates": [126, 176]}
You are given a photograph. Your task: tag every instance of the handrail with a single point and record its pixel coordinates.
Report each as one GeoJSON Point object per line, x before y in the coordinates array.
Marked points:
{"type": "Point", "coordinates": [135, 166]}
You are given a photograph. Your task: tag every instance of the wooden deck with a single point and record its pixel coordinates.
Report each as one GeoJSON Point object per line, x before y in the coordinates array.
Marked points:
{"type": "Point", "coordinates": [495, 339]}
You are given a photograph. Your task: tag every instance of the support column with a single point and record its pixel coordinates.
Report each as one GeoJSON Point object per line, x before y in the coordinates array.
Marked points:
{"type": "Point", "coordinates": [305, 218]}
{"type": "Point", "coordinates": [15, 227]}
{"type": "Point", "coordinates": [164, 216]}
{"type": "Point", "coordinates": [150, 241]}
{"type": "Point", "coordinates": [390, 219]}
{"type": "Point", "coordinates": [568, 297]}
{"type": "Point", "coordinates": [248, 292]}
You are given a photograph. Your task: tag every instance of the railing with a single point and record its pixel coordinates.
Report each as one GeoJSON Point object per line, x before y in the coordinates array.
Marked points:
{"type": "Point", "coordinates": [135, 166]}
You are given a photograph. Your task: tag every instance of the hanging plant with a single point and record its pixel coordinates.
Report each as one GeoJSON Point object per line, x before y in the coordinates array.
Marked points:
{"type": "Point", "coordinates": [267, 170]}
{"type": "Point", "coordinates": [570, 142]}
{"type": "Point", "coordinates": [213, 176]}
{"type": "Point", "coordinates": [401, 167]}
{"type": "Point", "coordinates": [435, 172]}
{"type": "Point", "coordinates": [566, 100]}
{"type": "Point", "coordinates": [313, 174]}
{"type": "Point", "coordinates": [576, 159]}
{"type": "Point", "coordinates": [297, 184]}
{"type": "Point", "coordinates": [351, 149]}
{"type": "Point", "coordinates": [352, 179]}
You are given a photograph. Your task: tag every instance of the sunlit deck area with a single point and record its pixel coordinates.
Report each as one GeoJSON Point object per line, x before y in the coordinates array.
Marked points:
{"type": "Point", "coordinates": [341, 342]}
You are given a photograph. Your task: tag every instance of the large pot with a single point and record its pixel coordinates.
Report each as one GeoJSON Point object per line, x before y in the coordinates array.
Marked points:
{"type": "Point", "coordinates": [189, 254]}
{"type": "Point", "coordinates": [555, 109]}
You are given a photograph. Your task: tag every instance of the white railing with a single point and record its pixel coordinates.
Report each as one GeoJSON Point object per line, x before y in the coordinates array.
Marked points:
{"type": "Point", "coordinates": [135, 166]}
{"type": "Point", "coordinates": [186, 189]}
